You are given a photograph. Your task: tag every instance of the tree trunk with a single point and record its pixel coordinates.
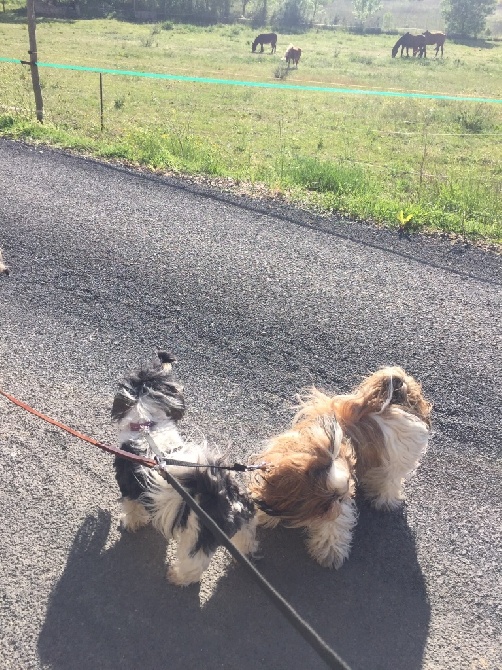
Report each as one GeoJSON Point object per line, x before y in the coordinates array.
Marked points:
{"type": "Point", "coordinates": [39, 103]}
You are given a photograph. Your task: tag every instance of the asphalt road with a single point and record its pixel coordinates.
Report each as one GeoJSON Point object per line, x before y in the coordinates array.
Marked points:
{"type": "Point", "coordinates": [257, 301]}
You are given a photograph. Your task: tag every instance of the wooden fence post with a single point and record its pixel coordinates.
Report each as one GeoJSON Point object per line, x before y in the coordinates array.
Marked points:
{"type": "Point", "coordinates": [35, 79]}
{"type": "Point", "coordinates": [101, 100]}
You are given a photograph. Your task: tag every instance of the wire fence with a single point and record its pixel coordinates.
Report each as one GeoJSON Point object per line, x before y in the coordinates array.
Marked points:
{"type": "Point", "coordinates": [355, 90]}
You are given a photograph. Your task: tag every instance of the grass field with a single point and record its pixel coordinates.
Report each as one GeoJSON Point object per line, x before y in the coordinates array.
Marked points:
{"type": "Point", "coordinates": [367, 156]}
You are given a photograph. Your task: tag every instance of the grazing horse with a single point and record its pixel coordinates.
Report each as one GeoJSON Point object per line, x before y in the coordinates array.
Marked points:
{"type": "Point", "coordinates": [293, 54]}
{"type": "Point", "coordinates": [409, 41]}
{"type": "Point", "coordinates": [435, 38]}
{"type": "Point", "coordinates": [265, 38]}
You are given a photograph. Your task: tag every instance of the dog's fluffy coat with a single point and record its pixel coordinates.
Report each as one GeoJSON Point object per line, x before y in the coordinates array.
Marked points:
{"type": "Point", "coordinates": [376, 434]}
{"type": "Point", "coordinates": [152, 400]}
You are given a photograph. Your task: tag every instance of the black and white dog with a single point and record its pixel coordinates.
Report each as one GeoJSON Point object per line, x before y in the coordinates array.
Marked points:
{"type": "Point", "coordinates": [151, 400]}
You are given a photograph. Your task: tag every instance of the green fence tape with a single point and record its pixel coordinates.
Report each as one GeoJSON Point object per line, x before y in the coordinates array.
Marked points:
{"type": "Point", "coordinates": [260, 84]}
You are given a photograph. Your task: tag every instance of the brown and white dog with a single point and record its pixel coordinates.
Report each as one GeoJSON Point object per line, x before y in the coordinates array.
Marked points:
{"type": "Point", "coordinates": [376, 434]}
{"type": "Point", "coordinates": [310, 484]}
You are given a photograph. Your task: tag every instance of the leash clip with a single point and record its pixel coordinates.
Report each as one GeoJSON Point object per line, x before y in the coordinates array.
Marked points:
{"type": "Point", "coordinates": [264, 466]}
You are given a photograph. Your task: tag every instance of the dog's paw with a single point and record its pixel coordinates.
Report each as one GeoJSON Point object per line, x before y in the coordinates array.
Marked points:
{"type": "Point", "coordinates": [134, 515]}
{"type": "Point", "coordinates": [176, 577]}
{"type": "Point", "coordinates": [266, 521]}
{"type": "Point", "coordinates": [387, 504]}
{"type": "Point", "coordinates": [329, 556]}
{"type": "Point", "coordinates": [131, 523]}
{"type": "Point", "coordinates": [128, 525]}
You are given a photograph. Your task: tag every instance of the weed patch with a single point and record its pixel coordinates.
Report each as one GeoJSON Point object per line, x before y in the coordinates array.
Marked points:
{"type": "Point", "coordinates": [325, 176]}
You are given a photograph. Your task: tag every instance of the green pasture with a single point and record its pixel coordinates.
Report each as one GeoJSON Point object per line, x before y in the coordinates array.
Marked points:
{"type": "Point", "coordinates": [370, 157]}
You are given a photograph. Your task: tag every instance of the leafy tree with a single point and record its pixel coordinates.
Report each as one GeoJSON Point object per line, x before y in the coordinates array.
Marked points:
{"type": "Point", "coordinates": [363, 9]}
{"type": "Point", "coordinates": [188, 10]}
{"type": "Point", "coordinates": [293, 13]}
{"type": "Point", "coordinates": [467, 17]}
{"type": "Point", "coordinates": [260, 14]}
{"type": "Point", "coordinates": [317, 9]}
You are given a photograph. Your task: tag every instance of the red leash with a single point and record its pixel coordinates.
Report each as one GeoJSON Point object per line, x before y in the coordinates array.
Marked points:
{"type": "Point", "coordinates": [148, 462]}
{"type": "Point", "coordinates": [141, 460]}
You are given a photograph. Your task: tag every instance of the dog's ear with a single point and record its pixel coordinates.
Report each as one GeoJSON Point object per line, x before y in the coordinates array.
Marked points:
{"type": "Point", "coordinates": [174, 400]}
{"type": "Point", "coordinates": [122, 403]}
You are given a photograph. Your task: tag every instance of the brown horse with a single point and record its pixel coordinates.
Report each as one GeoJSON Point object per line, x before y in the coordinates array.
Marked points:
{"type": "Point", "coordinates": [265, 38]}
{"type": "Point", "coordinates": [293, 55]}
{"type": "Point", "coordinates": [435, 38]}
{"type": "Point", "coordinates": [409, 41]}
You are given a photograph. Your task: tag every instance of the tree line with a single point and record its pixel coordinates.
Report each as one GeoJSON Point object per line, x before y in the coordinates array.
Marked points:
{"type": "Point", "coordinates": [285, 13]}
{"type": "Point", "coordinates": [462, 17]}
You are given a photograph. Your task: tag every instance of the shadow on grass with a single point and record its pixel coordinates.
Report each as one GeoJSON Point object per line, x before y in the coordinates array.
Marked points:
{"type": "Point", "coordinates": [15, 16]}
{"type": "Point", "coordinates": [475, 43]}
{"type": "Point", "coordinates": [113, 608]}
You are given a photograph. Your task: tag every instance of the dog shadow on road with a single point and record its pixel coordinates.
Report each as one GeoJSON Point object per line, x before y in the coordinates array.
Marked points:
{"type": "Point", "coordinates": [113, 608]}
